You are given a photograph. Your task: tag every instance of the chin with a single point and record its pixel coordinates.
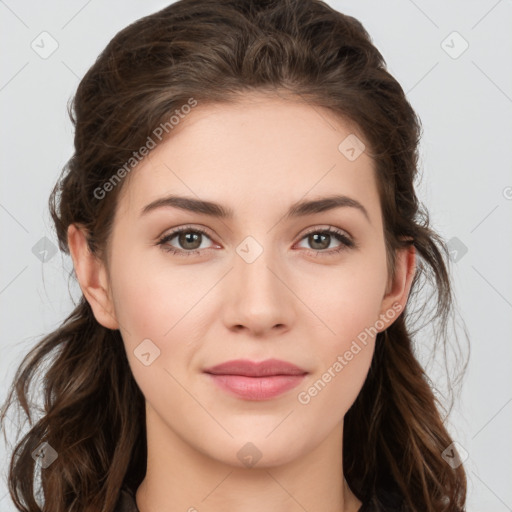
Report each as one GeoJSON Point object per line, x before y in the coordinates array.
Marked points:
{"type": "Point", "coordinates": [261, 452]}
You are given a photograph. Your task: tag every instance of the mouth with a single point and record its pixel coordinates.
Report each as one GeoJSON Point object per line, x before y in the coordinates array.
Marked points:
{"type": "Point", "coordinates": [251, 380]}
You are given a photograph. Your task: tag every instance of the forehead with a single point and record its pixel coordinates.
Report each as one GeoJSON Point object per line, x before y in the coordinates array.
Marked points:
{"type": "Point", "coordinates": [254, 153]}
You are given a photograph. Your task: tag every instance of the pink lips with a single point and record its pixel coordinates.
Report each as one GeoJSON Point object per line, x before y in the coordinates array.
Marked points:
{"type": "Point", "coordinates": [256, 381]}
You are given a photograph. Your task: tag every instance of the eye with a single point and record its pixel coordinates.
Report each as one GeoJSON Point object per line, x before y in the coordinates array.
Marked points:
{"type": "Point", "coordinates": [320, 240]}
{"type": "Point", "coordinates": [189, 238]}
{"type": "Point", "coordinates": [191, 241]}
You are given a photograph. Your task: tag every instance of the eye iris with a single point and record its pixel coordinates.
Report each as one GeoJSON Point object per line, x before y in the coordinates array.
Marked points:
{"type": "Point", "coordinates": [314, 240]}
{"type": "Point", "coordinates": [189, 237]}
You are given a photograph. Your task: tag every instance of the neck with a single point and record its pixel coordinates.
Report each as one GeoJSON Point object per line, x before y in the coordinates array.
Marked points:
{"type": "Point", "coordinates": [181, 478]}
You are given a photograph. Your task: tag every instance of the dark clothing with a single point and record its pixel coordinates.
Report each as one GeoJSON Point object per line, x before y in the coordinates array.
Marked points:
{"type": "Point", "coordinates": [384, 502]}
{"type": "Point", "coordinates": [126, 502]}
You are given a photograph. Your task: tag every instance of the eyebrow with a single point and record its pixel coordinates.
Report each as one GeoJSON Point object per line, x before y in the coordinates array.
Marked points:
{"type": "Point", "coordinates": [298, 209]}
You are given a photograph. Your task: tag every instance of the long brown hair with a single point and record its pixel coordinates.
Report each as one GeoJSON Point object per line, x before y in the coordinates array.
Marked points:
{"type": "Point", "coordinates": [215, 51]}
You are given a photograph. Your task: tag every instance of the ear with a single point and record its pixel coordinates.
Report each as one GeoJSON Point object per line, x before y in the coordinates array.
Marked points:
{"type": "Point", "coordinates": [398, 288]}
{"type": "Point", "coordinates": [92, 277]}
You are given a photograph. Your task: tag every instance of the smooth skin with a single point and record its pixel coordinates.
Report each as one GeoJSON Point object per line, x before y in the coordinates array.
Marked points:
{"type": "Point", "coordinates": [298, 301]}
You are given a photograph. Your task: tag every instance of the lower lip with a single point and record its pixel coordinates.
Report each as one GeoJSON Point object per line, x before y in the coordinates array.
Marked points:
{"type": "Point", "coordinates": [256, 388]}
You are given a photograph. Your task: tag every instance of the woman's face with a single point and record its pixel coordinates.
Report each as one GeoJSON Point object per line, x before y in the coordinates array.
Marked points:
{"type": "Point", "coordinates": [262, 283]}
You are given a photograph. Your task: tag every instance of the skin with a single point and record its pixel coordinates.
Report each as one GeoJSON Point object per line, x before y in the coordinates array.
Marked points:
{"type": "Point", "coordinates": [294, 302]}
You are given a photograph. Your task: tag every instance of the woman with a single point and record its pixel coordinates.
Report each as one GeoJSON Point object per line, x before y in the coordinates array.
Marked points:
{"type": "Point", "coordinates": [241, 215]}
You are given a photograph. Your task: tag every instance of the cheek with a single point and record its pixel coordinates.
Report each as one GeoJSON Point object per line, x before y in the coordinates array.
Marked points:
{"type": "Point", "coordinates": [329, 394]}
{"type": "Point", "coordinates": [348, 303]}
{"type": "Point", "coordinates": [154, 326]}
{"type": "Point", "coordinates": [149, 299]}
{"type": "Point", "coordinates": [344, 353]}
{"type": "Point", "coordinates": [347, 298]}
{"type": "Point", "coordinates": [162, 306]}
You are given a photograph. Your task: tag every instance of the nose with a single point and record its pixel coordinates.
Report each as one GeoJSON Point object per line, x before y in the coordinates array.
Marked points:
{"type": "Point", "coordinates": [259, 298]}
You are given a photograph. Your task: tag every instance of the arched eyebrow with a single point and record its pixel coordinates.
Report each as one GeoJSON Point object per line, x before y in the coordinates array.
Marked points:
{"type": "Point", "coordinates": [298, 209]}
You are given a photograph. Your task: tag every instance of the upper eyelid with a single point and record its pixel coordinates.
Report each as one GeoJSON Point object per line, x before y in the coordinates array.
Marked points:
{"type": "Point", "coordinates": [176, 231]}
{"type": "Point", "coordinates": [334, 229]}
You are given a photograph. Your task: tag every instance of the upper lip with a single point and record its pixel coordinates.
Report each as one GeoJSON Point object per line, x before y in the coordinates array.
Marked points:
{"type": "Point", "coordinates": [249, 368]}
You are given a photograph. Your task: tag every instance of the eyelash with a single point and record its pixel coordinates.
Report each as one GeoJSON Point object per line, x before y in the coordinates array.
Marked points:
{"type": "Point", "coordinates": [346, 242]}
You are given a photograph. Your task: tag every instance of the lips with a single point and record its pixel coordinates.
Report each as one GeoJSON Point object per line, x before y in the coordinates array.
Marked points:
{"type": "Point", "coordinates": [252, 380]}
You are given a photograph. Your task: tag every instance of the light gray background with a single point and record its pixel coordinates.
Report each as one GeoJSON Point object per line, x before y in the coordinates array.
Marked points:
{"type": "Point", "coordinates": [465, 104]}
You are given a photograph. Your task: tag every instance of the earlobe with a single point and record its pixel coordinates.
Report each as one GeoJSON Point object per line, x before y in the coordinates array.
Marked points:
{"type": "Point", "coordinates": [92, 277]}
{"type": "Point", "coordinates": [397, 293]}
